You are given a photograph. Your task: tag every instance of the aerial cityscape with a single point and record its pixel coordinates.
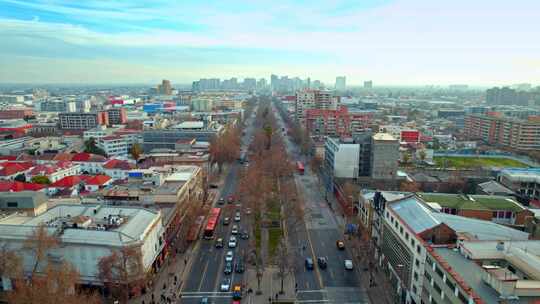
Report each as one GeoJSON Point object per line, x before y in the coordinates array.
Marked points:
{"type": "Point", "coordinates": [324, 152]}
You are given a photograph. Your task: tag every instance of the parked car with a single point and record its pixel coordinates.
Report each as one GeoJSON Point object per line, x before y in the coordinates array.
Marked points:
{"type": "Point", "coordinates": [228, 268]}
{"type": "Point", "coordinates": [225, 284]}
{"type": "Point", "coordinates": [226, 221]}
{"type": "Point", "coordinates": [248, 210]}
{"type": "Point", "coordinates": [340, 245]}
{"type": "Point", "coordinates": [229, 256]}
{"type": "Point", "coordinates": [221, 201]}
{"type": "Point", "coordinates": [219, 243]}
{"type": "Point", "coordinates": [348, 265]}
{"type": "Point", "coordinates": [232, 242]}
{"type": "Point", "coordinates": [237, 216]}
{"type": "Point", "coordinates": [309, 263]}
{"type": "Point", "coordinates": [234, 229]}
{"type": "Point", "coordinates": [322, 262]}
{"type": "Point", "coordinates": [204, 300]}
{"type": "Point", "coordinates": [230, 199]}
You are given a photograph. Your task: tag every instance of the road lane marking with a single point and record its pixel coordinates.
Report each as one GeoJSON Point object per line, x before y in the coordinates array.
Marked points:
{"type": "Point", "coordinates": [203, 275]}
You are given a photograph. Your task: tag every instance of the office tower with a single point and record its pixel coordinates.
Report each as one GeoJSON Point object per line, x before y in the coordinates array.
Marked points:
{"type": "Point", "coordinates": [368, 84]}
{"type": "Point", "coordinates": [274, 82]}
{"type": "Point", "coordinates": [341, 83]}
{"type": "Point", "coordinates": [507, 96]}
{"type": "Point", "coordinates": [165, 87]}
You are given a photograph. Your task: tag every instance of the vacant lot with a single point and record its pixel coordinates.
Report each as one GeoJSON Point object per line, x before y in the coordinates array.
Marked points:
{"type": "Point", "coordinates": [472, 162]}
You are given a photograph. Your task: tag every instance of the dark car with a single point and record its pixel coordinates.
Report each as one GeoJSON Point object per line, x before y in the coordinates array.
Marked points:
{"type": "Point", "coordinates": [309, 263]}
{"type": "Point", "coordinates": [322, 262]}
{"type": "Point", "coordinates": [219, 243]}
{"type": "Point", "coordinates": [226, 221]}
{"type": "Point", "coordinates": [221, 201]}
{"type": "Point", "coordinates": [244, 235]}
{"type": "Point", "coordinates": [230, 200]}
{"type": "Point", "coordinates": [228, 268]}
{"type": "Point", "coordinates": [239, 267]}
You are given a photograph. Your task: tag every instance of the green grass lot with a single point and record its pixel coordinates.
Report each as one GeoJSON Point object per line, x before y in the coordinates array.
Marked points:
{"type": "Point", "coordinates": [274, 236]}
{"type": "Point", "coordinates": [472, 162]}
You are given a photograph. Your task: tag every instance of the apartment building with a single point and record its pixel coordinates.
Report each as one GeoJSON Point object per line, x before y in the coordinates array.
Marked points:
{"type": "Point", "coordinates": [523, 181]}
{"type": "Point", "coordinates": [113, 145]}
{"type": "Point", "coordinates": [348, 157]}
{"type": "Point", "coordinates": [82, 121]}
{"type": "Point", "coordinates": [57, 105]}
{"type": "Point", "coordinates": [495, 129]}
{"type": "Point", "coordinates": [116, 116]}
{"type": "Point", "coordinates": [339, 122]}
{"type": "Point", "coordinates": [314, 99]}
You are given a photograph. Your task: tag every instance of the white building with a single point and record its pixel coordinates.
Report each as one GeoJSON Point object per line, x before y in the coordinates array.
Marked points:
{"type": "Point", "coordinates": [342, 157]}
{"type": "Point", "coordinates": [88, 233]}
{"type": "Point", "coordinates": [384, 156]}
{"type": "Point", "coordinates": [113, 145]}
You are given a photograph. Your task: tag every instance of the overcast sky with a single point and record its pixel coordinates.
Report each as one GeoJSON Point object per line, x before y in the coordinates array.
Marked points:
{"type": "Point", "coordinates": [402, 42]}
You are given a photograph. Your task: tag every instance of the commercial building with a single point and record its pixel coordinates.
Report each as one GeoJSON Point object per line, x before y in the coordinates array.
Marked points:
{"type": "Point", "coordinates": [117, 116]}
{"type": "Point", "coordinates": [368, 84]}
{"type": "Point", "coordinates": [496, 129]}
{"type": "Point", "coordinates": [88, 233]}
{"type": "Point", "coordinates": [507, 96]}
{"type": "Point", "coordinates": [314, 99]}
{"type": "Point", "coordinates": [165, 87]}
{"type": "Point", "coordinates": [341, 83]}
{"type": "Point", "coordinates": [167, 138]}
{"type": "Point", "coordinates": [82, 121]}
{"type": "Point", "coordinates": [202, 104]}
{"type": "Point", "coordinates": [16, 113]}
{"type": "Point", "coordinates": [30, 203]}
{"type": "Point", "coordinates": [348, 157]}
{"type": "Point", "coordinates": [57, 105]}
{"type": "Point", "coordinates": [339, 122]}
{"type": "Point", "coordinates": [384, 156]}
{"type": "Point", "coordinates": [523, 181]}
{"type": "Point", "coordinates": [113, 145]}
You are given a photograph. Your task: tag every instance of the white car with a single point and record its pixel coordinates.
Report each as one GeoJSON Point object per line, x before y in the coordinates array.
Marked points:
{"type": "Point", "coordinates": [234, 229]}
{"type": "Point", "coordinates": [225, 284]}
{"type": "Point", "coordinates": [232, 242]}
{"type": "Point", "coordinates": [229, 256]}
{"type": "Point", "coordinates": [348, 264]}
{"type": "Point", "coordinates": [237, 217]}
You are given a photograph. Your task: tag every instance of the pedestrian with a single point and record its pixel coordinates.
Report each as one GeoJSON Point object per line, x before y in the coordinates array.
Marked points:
{"type": "Point", "coordinates": [142, 301]}
{"type": "Point", "coordinates": [185, 261]}
{"type": "Point", "coordinates": [269, 299]}
{"type": "Point", "coordinates": [164, 286]}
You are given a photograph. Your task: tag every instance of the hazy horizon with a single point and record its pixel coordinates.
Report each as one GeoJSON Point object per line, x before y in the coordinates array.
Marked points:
{"type": "Point", "coordinates": [392, 42]}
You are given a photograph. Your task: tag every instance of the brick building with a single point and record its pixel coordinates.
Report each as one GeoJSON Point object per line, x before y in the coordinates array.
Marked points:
{"type": "Point", "coordinates": [16, 113]}
{"type": "Point", "coordinates": [338, 123]}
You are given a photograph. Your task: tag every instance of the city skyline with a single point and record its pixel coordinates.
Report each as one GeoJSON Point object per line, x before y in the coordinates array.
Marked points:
{"type": "Point", "coordinates": [390, 42]}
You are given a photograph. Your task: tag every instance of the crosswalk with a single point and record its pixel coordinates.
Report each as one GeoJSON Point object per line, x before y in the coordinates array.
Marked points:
{"type": "Point", "coordinates": [205, 294]}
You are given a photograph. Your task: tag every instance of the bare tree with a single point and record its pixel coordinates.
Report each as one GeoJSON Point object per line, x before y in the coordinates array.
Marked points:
{"type": "Point", "coordinates": [122, 269]}
{"type": "Point", "coordinates": [10, 263]}
{"type": "Point", "coordinates": [284, 262]}
{"type": "Point", "coordinates": [38, 244]}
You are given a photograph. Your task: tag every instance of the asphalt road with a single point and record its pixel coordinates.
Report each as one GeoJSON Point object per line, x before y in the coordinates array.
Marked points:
{"type": "Point", "coordinates": [206, 273]}
{"type": "Point", "coordinates": [317, 238]}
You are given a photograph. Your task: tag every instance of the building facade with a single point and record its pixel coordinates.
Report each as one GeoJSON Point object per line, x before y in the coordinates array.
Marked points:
{"type": "Point", "coordinates": [116, 116]}
{"type": "Point", "coordinates": [384, 156]}
{"type": "Point", "coordinates": [314, 99]}
{"type": "Point", "coordinates": [81, 121]}
{"type": "Point", "coordinates": [339, 122]}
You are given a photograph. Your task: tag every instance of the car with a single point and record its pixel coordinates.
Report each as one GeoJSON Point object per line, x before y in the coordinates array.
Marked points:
{"type": "Point", "coordinates": [248, 210]}
{"type": "Point", "coordinates": [234, 229]}
{"type": "Point", "coordinates": [322, 262]}
{"type": "Point", "coordinates": [214, 186]}
{"type": "Point", "coordinates": [244, 235]}
{"type": "Point", "coordinates": [237, 217]}
{"type": "Point", "coordinates": [204, 300]}
{"type": "Point", "coordinates": [226, 221]}
{"type": "Point", "coordinates": [348, 265]}
{"type": "Point", "coordinates": [309, 263]}
{"type": "Point", "coordinates": [237, 292]}
{"type": "Point", "coordinates": [228, 268]}
{"type": "Point", "coordinates": [230, 199]}
{"type": "Point", "coordinates": [239, 267]}
{"type": "Point", "coordinates": [340, 245]}
{"type": "Point", "coordinates": [221, 201]}
{"type": "Point", "coordinates": [232, 242]}
{"type": "Point", "coordinates": [219, 243]}
{"type": "Point", "coordinates": [225, 284]}
{"type": "Point", "coordinates": [229, 256]}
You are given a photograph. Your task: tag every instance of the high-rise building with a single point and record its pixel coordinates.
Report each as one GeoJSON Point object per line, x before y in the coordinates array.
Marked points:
{"type": "Point", "coordinates": [117, 116]}
{"type": "Point", "coordinates": [165, 87]}
{"type": "Point", "coordinates": [341, 83]}
{"type": "Point", "coordinates": [274, 82]}
{"type": "Point", "coordinates": [261, 84]}
{"type": "Point", "coordinates": [250, 84]}
{"type": "Point", "coordinates": [384, 156]}
{"type": "Point", "coordinates": [314, 99]}
{"type": "Point", "coordinates": [82, 121]}
{"type": "Point", "coordinates": [57, 105]}
{"type": "Point", "coordinates": [507, 96]}
{"type": "Point", "coordinates": [340, 122]}
{"type": "Point", "coordinates": [368, 84]}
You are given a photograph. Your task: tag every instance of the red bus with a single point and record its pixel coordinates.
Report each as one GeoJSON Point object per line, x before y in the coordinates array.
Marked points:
{"type": "Point", "coordinates": [300, 167]}
{"type": "Point", "coordinates": [212, 223]}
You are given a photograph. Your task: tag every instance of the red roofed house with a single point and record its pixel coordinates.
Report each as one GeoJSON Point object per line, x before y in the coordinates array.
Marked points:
{"type": "Point", "coordinates": [90, 163]}
{"type": "Point", "coordinates": [72, 184]}
{"type": "Point", "coordinates": [118, 169]}
{"type": "Point", "coordinates": [9, 170]}
{"type": "Point", "coordinates": [97, 182]}
{"type": "Point", "coordinates": [15, 186]}
{"type": "Point", "coordinates": [55, 172]}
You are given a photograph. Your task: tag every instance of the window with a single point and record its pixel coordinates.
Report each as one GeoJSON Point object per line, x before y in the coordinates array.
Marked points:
{"type": "Point", "coordinates": [436, 288]}
{"type": "Point", "coordinates": [428, 277]}
{"type": "Point", "coordinates": [439, 271]}
{"type": "Point", "coordinates": [451, 285]}
{"type": "Point", "coordinates": [415, 275]}
{"type": "Point", "coordinates": [463, 298]}
{"type": "Point", "coordinates": [417, 248]}
{"type": "Point", "coordinates": [401, 229]}
{"type": "Point", "coordinates": [13, 204]}
{"type": "Point", "coordinates": [412, 242]}
{"type": "Point", "coordinates": [429, 261]}
{"type": "Point", "coordinates": [414, 289]}
{"type": "Point", "coordinates": [417, 263]}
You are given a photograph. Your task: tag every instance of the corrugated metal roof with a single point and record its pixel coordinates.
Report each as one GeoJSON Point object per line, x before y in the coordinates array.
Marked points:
{"type": "Point", "coordinates": [417, 215]}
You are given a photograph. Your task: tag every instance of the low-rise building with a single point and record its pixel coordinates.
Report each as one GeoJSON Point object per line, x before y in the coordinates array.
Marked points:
{"type": "Point", "coordinates": [523, 181]}
{"type": "Point", "coordinates": [117, 169]}
{"type": "Point", "coordinates": [54, 172]}
{"type": "Point", "coordinates": [113, 145]}
{"type": "Point", "coordinates": [88, 233]}
{"type": "Point", "coordinates": [31, 203]}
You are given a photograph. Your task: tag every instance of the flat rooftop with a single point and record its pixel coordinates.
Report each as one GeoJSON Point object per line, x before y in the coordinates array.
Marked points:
{"type": "Point", "coordinates": [472, 202]}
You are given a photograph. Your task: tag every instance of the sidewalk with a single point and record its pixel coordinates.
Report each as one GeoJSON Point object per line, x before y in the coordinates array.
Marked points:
{"type": "Point", "coordinates": [270, 287]}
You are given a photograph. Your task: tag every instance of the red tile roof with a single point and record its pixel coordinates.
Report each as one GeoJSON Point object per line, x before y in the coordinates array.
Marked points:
{"type": "Point", "coordinates": [70, 181]}
{"type": "Point", "coordinates": [8, 157]}
{"type": "Point", "coordinates": [118, 164]}
{"type": "Point", "coordinates": [16, 186]}
{"type": "Point", "coordinates": [87, 157]}
{"type": "Point", "coordinates": [98, 180]}
{"type": "Point", "coordinates": [42, 170]}
{"type": "Point", "coordinates": [63, 156]}
{"type": "Point", "coordinates": [10, 168]}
